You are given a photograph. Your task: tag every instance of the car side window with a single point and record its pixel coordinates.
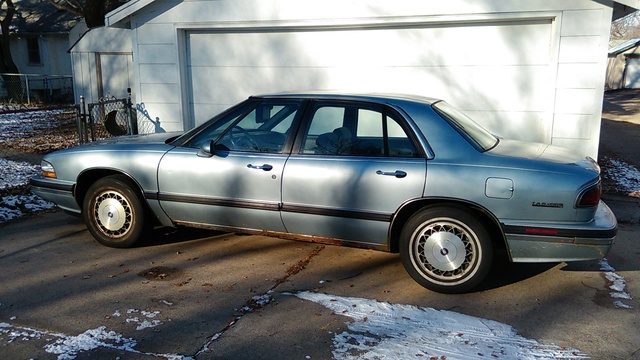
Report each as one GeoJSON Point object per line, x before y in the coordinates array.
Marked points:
{"type": "Point", "coordinates": [357, 131]}
{"type": "Point", "coordinates": [262, 128]}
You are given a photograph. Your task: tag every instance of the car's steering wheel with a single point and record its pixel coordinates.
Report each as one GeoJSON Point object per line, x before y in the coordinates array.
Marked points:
{"type": "Point", "coordinates": [235, 141]}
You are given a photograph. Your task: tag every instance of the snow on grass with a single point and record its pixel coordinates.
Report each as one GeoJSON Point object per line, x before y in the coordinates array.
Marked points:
{"type": "Point", "coordinates": [381, 330]}
{"type": "Point", "coordinates": [23, 124]}
{"type": "Point", "coordinates": [625, 177]}
{"type": "Point", "coordinates": [16, 175]}
{"type": "Point", "coordinates": [15, 200]}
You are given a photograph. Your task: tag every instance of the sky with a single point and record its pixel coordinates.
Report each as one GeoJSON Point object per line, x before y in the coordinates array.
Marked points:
{"type": "Point", "coordinates": [401, 331]}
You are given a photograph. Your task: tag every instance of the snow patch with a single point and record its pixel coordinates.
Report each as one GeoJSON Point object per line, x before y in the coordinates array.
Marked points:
{"type": "Point", "coordinates": [68, 347]}
{"type": "Point", "coordinates": [625, 176]}
{"type": "Point", "coordinates": [617, 283]}
{"type": "Point", "coordinates": [382, 330]}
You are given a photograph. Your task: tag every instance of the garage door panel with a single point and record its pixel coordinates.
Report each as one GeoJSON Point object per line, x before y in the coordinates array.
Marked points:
{"type": "Point", "coordinates": [480, 67]}
{"type": "Point", "coordinates": [521, 44]}
{"type": "Point", "coordinates": [510, 88]}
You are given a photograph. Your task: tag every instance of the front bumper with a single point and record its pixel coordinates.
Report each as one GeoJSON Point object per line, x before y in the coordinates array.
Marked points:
{"type": "Point", "coordinates": [57, 191]}
{"type": "Point", "coordinates": [557, 242]}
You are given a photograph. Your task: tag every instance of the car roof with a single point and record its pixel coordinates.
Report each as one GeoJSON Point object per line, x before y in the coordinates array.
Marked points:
{"type": "Point", "coordinates": [332, 95]}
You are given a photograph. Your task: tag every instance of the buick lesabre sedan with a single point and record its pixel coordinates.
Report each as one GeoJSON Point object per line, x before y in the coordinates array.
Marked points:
{"type": "Point", "coordinates": [402, 174]}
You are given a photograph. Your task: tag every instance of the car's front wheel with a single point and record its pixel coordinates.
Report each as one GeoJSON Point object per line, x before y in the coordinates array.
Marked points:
{"type": "Point", "coordinates": [113, 212]}
{"type": "Point", "coordinates": [446, 249]}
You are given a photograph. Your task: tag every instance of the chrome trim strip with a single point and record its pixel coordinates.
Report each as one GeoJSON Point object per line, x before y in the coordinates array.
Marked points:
{"type": "Point", "coordinates": [270, 206]}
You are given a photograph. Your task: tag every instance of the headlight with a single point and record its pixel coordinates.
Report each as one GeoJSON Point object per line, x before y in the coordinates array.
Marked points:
{"type": "Point", "coordinates": [47, 169]}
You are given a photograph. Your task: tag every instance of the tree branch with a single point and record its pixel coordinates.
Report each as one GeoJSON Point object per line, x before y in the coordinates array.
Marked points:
{"type": "Point", "coordinates": [72, 6]}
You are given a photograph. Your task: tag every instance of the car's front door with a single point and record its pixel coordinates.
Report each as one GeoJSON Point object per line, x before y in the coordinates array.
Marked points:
{"type": "Point", "coordinates": [354, 166]}
{"type": "Point", "coordinates": [236, 182]}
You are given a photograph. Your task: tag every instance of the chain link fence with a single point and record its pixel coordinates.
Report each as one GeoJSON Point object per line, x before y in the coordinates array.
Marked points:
{"type": "Point", "coordinates": [28, 132]}
{"type": "Point", "coordinates": [113, 117]}
{"type": "Point", "coordinates": [36, 89]}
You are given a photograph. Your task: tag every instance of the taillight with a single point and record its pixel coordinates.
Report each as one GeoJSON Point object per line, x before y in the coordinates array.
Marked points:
{"type": "Point", "coordinates": [590, 196]}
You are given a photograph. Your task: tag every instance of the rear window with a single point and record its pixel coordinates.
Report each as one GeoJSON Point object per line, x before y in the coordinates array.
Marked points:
{"type": "Point", "coordinates": [478, 136]}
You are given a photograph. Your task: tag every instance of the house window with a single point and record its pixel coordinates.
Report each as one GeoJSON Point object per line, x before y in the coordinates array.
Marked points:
{"type": "Point", "coordinates": [33, 49]}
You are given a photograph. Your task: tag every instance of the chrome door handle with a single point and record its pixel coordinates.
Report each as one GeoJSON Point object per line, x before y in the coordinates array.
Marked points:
{"type": "Point", "coordinates": [397, 173]}
{"type": "Point", "coordinates": [265, 167]}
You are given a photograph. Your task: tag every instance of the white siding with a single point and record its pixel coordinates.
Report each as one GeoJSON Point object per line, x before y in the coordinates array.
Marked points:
{"type": "Point", "coordinates": [580, 81]}
{"type": "Point", "coordinates": [530, 69]}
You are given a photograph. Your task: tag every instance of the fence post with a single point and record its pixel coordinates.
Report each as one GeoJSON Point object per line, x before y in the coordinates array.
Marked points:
{"type": "Point", "coordinates": [26, 81]}
{"type": "Point", "coordinates": [133, 120]}
{"type": "Point", "coordinates": [82, 122]}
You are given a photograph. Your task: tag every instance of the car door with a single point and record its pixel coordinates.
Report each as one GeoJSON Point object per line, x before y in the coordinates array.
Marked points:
{"type": "Point", "coordinates": [229, 173]}
{"type": "Point", "coordinates": [354, 165]}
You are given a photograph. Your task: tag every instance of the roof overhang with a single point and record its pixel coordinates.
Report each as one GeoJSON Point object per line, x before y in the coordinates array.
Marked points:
{"type": "Point", "coordinates": [120, 16]}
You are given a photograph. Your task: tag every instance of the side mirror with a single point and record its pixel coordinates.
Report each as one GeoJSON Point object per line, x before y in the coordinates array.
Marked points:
{"type": "Point", "coordinates": [207, 149]}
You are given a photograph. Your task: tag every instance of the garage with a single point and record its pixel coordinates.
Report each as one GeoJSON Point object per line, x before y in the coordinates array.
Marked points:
{"type": "Point", "coordinates": [528, 70]}
{"type": "Point", "coordinates": [487, 68]}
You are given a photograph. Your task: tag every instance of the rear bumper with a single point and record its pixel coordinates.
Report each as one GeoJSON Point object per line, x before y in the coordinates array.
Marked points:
{"type": "Point", "coordinates": [57, 191]}
{"type": "Point", "coordinates": [556, 242]}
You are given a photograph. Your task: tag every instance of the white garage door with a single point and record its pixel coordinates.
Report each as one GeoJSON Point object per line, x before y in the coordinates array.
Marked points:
{"type": "Point", "coordinates": [487, 69]}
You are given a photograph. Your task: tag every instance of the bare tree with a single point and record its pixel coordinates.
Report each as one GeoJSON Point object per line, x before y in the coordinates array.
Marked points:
{"type": "Point", "coordinates": [93, 11]}
{"type": "Point", "coordinates": [626, 28]}
{"type": "Point", "coordinates": [7, 65]}
{"type": "Point", "coordinates": [7, 12]}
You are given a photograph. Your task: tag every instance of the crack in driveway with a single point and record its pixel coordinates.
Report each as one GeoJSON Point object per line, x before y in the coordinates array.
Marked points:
{"type": "Point", "coordinates": [259, 301]}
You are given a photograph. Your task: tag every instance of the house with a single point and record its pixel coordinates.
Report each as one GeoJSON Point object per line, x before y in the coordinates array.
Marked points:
{"type": "Point", "coordinates": [526, 69]}
{"type": "Point", "coordinates": [39, 41]}
{"type": "Point", "coordinates": [623, 67]}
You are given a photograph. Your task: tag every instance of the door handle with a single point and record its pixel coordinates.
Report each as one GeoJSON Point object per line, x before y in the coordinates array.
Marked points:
{"type": "Point", "coordinates": [397, 173]}
{"type": "Point", "coordinates": [265, 167]}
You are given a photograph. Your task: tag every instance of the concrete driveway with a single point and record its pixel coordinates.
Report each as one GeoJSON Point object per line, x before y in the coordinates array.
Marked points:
{"type": "Point", "coordinates": [208, 295]}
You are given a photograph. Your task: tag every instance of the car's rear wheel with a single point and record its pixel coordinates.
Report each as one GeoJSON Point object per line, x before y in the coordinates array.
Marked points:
{"type": "Point", "coordinates": [446, 249]}
{"type": "Point", "coordinates": [113, 212]}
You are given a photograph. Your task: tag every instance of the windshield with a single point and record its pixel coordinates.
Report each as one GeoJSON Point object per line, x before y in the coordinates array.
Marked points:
{"type": "Point", "coordinates": [474, 133]}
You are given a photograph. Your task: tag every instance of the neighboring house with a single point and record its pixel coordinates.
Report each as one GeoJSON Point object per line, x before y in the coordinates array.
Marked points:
{"type": "Point", "coordinates": [39, 44]}
{"type": "Point", "coordinates": [623, 68]}
{"type": "Point", "coordinates": [102, 62]}
{"type": "Point", "coordinates": [526, 69]}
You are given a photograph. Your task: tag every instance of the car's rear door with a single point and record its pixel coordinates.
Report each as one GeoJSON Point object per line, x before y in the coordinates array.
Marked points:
{"type": "Point", "coordinates": [238, 186]}
{"type": "Point", "coordinates": [353, 166]}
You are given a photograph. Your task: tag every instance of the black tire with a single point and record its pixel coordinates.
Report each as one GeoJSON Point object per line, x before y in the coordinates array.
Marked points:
{"type": "Point", "coordinates": [114, 213]}
{"type": "Point", "coordinates": [446, 249]}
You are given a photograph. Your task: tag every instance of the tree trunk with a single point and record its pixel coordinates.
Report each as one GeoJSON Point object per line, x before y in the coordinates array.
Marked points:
{"type": "Point", "coordinates": [7, 65]}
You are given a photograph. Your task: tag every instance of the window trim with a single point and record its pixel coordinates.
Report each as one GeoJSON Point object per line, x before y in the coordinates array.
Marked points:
{"type": "Point", "coordinates": [33, 51]}
{"type": "Point", "coordinates": [386, 110]}
{"type": "Point", "coordinates": [237, 114]}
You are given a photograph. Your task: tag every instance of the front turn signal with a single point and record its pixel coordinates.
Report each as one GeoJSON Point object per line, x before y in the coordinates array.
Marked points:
{"type": "Point", "coordinates": [47, 169]}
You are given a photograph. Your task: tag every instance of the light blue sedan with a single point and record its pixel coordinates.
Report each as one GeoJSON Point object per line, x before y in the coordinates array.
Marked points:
{"type": "Point", "coordinates": [403, 174]}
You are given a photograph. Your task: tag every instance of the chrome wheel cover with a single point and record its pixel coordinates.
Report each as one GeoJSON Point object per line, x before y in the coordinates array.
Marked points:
{"type": "Point", "coordinates": [445, 250]}
{"type": "Point", "coordinates": [113, 214]}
